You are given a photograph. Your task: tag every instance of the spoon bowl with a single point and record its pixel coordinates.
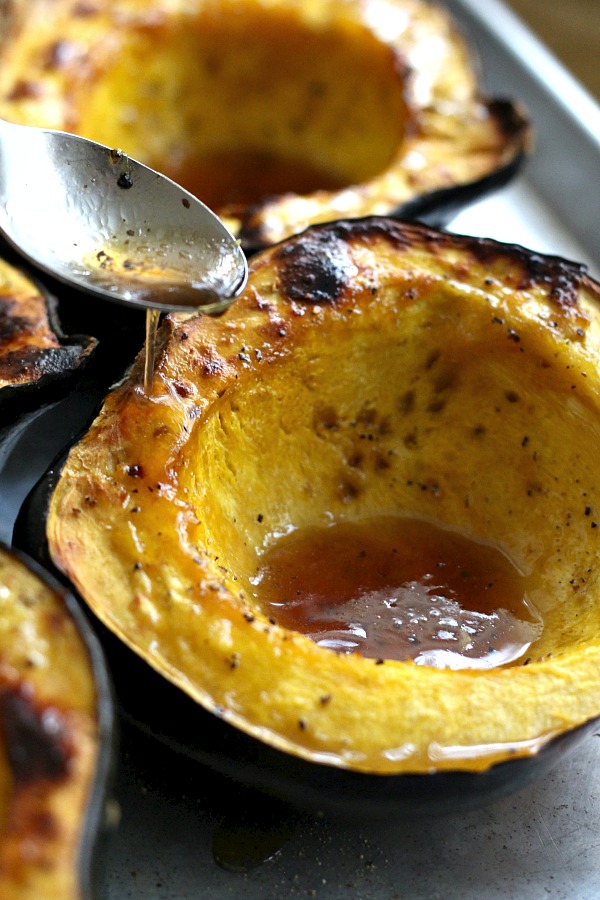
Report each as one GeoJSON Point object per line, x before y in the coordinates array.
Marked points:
{"type": "Point", "coordinates": [109, 225]}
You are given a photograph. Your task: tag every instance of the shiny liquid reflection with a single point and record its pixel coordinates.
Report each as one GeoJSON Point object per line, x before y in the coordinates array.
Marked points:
{"type": "Point", "coordinates": [399, 588]}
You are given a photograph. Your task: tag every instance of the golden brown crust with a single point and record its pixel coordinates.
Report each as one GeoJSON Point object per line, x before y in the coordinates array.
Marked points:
{"type": "Point", "coordinates": [48, 739]}
{"type": "Point", "coordinates": [471, 368]}
{"type": "Point", "coordinates": [31, 348]}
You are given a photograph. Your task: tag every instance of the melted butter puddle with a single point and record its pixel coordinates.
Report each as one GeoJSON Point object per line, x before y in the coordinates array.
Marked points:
{"type": "Point", "coordinates": [399, 588]}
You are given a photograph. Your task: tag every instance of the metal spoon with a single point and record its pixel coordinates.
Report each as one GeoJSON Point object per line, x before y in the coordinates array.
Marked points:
{"type": "Point", "coordinates": [94, 218]}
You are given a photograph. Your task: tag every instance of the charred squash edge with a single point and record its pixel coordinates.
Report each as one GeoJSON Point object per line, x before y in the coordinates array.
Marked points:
{"type": "Point", "coordinates": [76, 351]}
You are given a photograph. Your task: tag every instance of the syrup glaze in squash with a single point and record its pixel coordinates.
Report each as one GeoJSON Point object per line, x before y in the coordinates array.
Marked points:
{"type": "Point", "coordinates": [55, 739]}
{"type": "Point", "coordinates": [370, 369]}
{"type": "Point", "coordinates": [276, 113]}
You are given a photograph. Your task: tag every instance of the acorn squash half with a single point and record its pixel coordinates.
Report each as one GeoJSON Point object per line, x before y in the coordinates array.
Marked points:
{"type": "Point", "coordinates": [56, 738]}
{"type": "Point", "coordinates": [38, 363]}
{"type": "Point", "coordinates": [277, 113]}
{"type": "Point", "coordinates": [373, 375]}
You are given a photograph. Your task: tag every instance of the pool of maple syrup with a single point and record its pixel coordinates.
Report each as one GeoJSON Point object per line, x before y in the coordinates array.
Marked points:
{"type": "Point", "coordinates": [232, 178]}
{"type": "Point", "coordinates": [399, 588]}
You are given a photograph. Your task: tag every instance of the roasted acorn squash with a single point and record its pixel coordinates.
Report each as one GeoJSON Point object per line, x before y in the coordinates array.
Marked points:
{"type": "Point", "coordinates": [56, 739]}
{"type": "Point", "coordinates": [279, 113]}
{"type": "Point", "coordinates": [38, 363]}
{"type": "Point", "coordinates": [371, 372]}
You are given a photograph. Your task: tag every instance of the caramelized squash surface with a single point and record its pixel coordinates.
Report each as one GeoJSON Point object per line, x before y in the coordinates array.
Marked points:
{"type": "Point", "coordinates": [369, 369]}
{"type": "Point", "coordinates": [54, 741]}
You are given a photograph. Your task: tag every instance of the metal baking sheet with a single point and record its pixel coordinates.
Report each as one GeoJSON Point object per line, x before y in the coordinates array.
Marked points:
{"type": "Point", "coordinates": [541, 842]}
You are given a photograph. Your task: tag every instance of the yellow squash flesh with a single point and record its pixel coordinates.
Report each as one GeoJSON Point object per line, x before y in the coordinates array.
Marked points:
{"type": "Point", "coordinates": [370, 368]}
{"type": "Point", "coordinates": [48, 739]}
{"type": "Point", "coordinates": [277, 113]}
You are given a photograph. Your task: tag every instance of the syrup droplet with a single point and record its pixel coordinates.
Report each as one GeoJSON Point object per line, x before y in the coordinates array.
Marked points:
{"type": "Point", "coordinates": [249, 835]}
{"type": "Point", "coordinates": [152, 318]}
{"type": "Point", "coordinates": [125, 181]}
{"type": "Point", "coordinates": [149, 275]}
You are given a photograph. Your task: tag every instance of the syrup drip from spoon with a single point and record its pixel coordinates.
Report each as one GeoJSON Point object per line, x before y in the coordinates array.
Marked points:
{"type": "Point", "coordinates": [98, 220]}
{"type": "Point", "coordinates": [152, 317]}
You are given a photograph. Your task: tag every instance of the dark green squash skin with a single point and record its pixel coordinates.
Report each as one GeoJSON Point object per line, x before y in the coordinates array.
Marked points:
{"type": "Point", "coordinates": [163, 713]}
{"type": "Point", "coordinates": [57, 370]}
{"type": "Point", "coordinates": [437, 208]}
{"type": "Point", "coordinates": [98, 822]}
